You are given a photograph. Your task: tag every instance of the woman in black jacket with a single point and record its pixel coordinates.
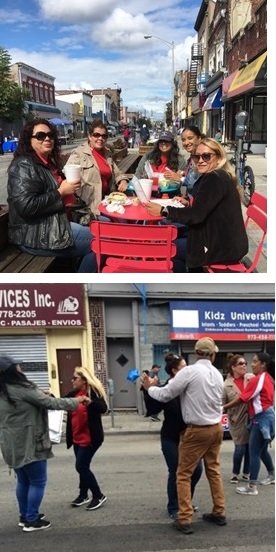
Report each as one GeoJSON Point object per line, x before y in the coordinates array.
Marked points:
{"type": "Point", "coordinates": [84, 431]}
{"type": "Point", "coordinates": [37, 194]}
{"type": "Point", "coordinates": [216, 232]}
{"type": "Point", "coordinates": [171, 429]}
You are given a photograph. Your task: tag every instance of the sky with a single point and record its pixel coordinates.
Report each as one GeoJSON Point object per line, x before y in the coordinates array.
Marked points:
{"type": "Point", "coordinates": [100, 43]}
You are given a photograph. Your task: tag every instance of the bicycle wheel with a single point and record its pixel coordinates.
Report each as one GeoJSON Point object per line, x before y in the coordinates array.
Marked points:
{"type": "Point", "coordinates": [248, 185]}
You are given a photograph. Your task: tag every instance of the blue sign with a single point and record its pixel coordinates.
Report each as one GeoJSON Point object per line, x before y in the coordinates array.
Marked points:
{"type": "Point", "coordinates": [223, 320]}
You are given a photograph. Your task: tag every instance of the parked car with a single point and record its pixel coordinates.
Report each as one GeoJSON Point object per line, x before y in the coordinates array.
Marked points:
{"type": "Point", "coordinates": [111, 131]}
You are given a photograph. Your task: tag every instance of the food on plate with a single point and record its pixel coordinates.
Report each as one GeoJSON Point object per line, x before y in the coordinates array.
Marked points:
{"type": "Point", "coordinates": [118, 197]}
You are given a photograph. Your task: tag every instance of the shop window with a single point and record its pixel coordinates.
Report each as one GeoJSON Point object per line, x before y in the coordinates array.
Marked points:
{"type": "Point", "coordinates": [258, 121]}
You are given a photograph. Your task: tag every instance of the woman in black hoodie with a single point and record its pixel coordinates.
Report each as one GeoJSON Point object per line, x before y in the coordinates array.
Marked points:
{"type": "Point", "coordinates": [171, 428]}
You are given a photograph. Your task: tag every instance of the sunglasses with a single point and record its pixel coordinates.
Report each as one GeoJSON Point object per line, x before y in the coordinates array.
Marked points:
{"type": "Point", "coordinates": [41, 136]}
{"type": "Point", "coordinates": [75, 378]}
{"type": "Point", "coordinates": [98, 135]}
{"type": "Point", "coordinates": [204, 156]}
{"type": "Point", "coordinates": [242, 363]}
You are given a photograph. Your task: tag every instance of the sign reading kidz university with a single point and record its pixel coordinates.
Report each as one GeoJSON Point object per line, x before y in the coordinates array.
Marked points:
{"type": "Point", "coordinates": [41, 305]}
{"type": "Point", "coordinates": [223, 320]}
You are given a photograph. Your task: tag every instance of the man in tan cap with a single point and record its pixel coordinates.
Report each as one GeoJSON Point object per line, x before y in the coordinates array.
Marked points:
{"type": "Point", "coordinates": [200, 387]}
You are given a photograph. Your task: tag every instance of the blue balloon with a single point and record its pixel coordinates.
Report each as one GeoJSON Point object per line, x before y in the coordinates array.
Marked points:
{"type": "Point", "coordinates": [133, 374]}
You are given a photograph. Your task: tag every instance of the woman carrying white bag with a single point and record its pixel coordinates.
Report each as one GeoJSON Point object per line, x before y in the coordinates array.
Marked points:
{"type": "Point", "coordinates": [24, 438]}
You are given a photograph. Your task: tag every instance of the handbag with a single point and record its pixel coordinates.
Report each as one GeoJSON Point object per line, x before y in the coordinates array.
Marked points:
{"type": "Point", "coordinates": [79, 212]}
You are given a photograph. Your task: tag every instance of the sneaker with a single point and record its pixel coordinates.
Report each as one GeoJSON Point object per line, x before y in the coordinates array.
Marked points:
{"type": "Point", "coordinates": [245, 477]}
{"type": "Point", "coordinates": [195, 508]}
{"type": "Point", "coordinates": [269, 480]}
{"type": "Point", "coordinates": [218, 520]}
{"type": "Point", "coordinates": [234, 479]}
{"type": "Point", "coordinates": [96, 503]}
{"type": "Point", "coordinates": [80, 500]}
{"type": "Point", "coordinates": [185, 528]}
{"type": "Point", "coordinates": [249, 490]}
{"type": "Point", "coordinates": [155, 419]}
{"type": "Point", "coordinates": [22, 520]}
{"type": "Point", "coordinates": [36, 525]}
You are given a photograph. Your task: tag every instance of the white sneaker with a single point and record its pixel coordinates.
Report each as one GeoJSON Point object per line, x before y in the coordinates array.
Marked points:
{"type": "Point", "coordinates": [269, 480]}
{"type": "Point", "coordinates": [249, 490]}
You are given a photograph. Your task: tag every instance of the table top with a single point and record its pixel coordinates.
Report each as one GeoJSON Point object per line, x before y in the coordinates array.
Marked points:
{"type": "Point", "coordinates": [132, 213]}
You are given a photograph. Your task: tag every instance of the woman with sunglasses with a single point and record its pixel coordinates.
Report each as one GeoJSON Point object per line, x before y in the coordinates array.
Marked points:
{"type": "Point", "coordinates": [259, 396]}
{"type": "Point", "coordinates": [171, 429]}
{"type": "Point", "coordinates": [37, 194]}
{"type": "Point", "coordinates": [216, 232]}
{"type": "Point", "coordinates": [85, 432]}
{"type": "Point", "coordinates": [164, 158]}
{"type": "Point", "coordinates": [234, 384]}
{"type": "Point", "coordinates": [99, 174]}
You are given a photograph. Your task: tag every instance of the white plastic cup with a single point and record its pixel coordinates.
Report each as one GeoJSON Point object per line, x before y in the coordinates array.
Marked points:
{"type": "Point", "coordinates": [146, 184]}
{"type": "Point", "coordinates": [72, 172]}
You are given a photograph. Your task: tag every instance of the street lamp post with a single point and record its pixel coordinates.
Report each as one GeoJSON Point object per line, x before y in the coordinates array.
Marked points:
{"type": "Point", "coordinates": [171, 45]}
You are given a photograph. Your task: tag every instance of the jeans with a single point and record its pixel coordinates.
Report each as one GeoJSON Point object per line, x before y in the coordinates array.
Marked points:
{"type": "Point", "coordinates": [241, 452]}
{"type": "Point", "coordinates": [87, 480]}
{"type": "Point", "coordinates": [258, 446]}
{"type": "Point", "coordinates": [30, 486]}
{"type": "Point", "coordinates": [81, 248]}
{"type": "Point", "coordinates": [170, 452]}
{"type": "Point", "coordinates": [196, 443]}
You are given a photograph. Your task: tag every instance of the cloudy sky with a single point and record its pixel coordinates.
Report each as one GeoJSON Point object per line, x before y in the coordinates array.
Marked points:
{"type": "Point", "coordinates": [97, 43]}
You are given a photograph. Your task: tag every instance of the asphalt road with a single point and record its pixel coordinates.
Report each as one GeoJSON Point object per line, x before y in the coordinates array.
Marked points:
{"type": "Point", "coordinates": [132, 474]}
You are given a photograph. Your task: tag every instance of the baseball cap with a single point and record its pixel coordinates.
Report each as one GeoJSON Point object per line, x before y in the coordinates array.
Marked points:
{"type": "Point", "coordinates": [206, 345]}
{"type": "Point", "coordinates": [6, 362]}
{"type": "Point", "coordinates": [166, 135]}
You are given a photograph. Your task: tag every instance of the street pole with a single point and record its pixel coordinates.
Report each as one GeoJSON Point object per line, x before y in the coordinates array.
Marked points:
{"type": "Point", "coordinates": [172, 46]}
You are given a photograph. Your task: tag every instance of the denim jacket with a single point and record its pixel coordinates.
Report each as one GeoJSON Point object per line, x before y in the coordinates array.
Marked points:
{"type": "Point", "coordinates": [266, 423]}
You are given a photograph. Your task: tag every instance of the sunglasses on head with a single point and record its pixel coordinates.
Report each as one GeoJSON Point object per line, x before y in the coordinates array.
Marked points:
{"type": "Point", "coordinates": [204, 156]}
{"type": "Point", "coordinates": [99, 135]}
{"type": "Point", "coordinates": [41, 136]}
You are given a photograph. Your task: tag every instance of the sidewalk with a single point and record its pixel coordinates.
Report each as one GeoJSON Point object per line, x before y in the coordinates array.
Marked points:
{"type": "Point", "coordinates": [129, 422]}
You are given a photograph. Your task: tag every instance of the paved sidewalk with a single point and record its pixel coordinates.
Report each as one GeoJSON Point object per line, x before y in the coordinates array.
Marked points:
{"type": "Point", "coordinates": [129, 422]}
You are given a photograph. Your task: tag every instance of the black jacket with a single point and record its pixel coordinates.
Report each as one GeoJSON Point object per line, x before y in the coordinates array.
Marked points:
{"type": "Point", "coordinates": [37, 217]}
{"type": "Point", "coordinates": [173, 422]}
{"type": "Point", "coordinates": [216, 228]}
{"type": "Point", "coordinates": [95, 410]}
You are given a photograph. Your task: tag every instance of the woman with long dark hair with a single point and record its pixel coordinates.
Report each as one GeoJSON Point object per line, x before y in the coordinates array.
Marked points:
{"type": "Point", "coordinates": [171, 429]}
{"type": "Point", "coordinates": [164, 158]}
{"type": "Point", "coordinates": [24, 438]}
{"type": "Point", "coordinates": [37, 192]}
{"type": "Point", "coordinates": [259, 395]}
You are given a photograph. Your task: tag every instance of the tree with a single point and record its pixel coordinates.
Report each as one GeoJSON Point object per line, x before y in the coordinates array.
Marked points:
{"type": "Point", "coordinates": [169, 114]}
{"type": "Point", "coordinates": [12, 97]}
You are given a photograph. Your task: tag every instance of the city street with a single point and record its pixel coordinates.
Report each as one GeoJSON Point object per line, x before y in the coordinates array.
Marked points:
{"type": "Point", "coordinates": [132, 473]}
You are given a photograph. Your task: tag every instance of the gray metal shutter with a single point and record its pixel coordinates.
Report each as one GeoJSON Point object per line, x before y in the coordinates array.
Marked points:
{"type": "Point", "coordinates": [31, 352]}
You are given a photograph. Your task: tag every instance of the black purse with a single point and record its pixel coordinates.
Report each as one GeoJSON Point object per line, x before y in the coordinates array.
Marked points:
{"type": "Point", "coordinates": [80, 212]}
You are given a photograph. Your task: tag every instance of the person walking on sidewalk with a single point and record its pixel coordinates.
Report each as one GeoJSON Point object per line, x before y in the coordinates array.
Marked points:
{"type": "Point", "coordinates": [24, 438]}
{"type": "Point", "coordinates": [259, 394]}
{"type": "Point", "coordinates": [170, 433]}
{"type": "Point", "coordinates": [84, 431]}
{"type": "Point", "coordinates": [234, 384]}
{"type": "Point", "coordinates": [200, 387]}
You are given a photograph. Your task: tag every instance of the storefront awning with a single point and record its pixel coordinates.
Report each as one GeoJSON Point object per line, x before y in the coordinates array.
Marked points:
{"type": "Point", "coordinates": [251, 76]}
{"type": "Point", "coordinates": [42, 107]}
{"type": "Point", "coordinates": [213, 101]}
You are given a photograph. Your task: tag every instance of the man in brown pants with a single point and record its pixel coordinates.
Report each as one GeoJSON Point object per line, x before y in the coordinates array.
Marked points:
{"type": "Point", "coordinates": [200, 387]}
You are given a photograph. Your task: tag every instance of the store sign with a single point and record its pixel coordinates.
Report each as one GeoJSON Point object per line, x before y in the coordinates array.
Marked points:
{"type": "Point", "coordinates": [223, 320]}
{"type": "Point", "coordinates": [42, 305]}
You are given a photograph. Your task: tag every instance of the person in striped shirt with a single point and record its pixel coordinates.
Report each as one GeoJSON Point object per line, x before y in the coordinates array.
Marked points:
{"type": "Point", "coordinates": [259, 394]}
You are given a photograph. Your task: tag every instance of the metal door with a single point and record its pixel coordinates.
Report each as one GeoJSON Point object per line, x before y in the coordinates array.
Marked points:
{"type": "Point", "coordinates": [67, 360]}
{"type": "Point", "coordinates": [120, 361]}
